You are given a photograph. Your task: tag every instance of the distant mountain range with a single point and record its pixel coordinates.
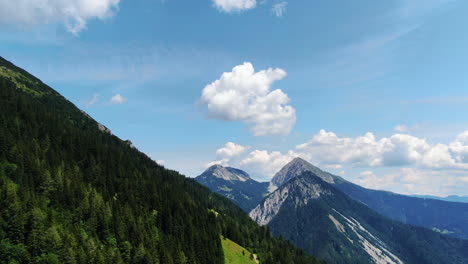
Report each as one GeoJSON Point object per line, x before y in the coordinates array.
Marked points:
{"type": "Point", "coordinates": [324, 221]}
{"type": "Point", "coordinates": [235, 184]}
{"type": "Point", "coordinates": [451, 198]}
{"type": "Point", "coordinates": [447, 217]}
{"type": "Point", "coordinates": [342, 222]}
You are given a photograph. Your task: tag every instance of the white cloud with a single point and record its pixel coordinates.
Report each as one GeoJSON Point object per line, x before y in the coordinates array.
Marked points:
{"type": "Point", "coordinates": [397, 150]}
{"type": "Point", "coordinates": [92, 101]}
{"type": "Point", "coordinates": [333, 166]}
{"type": "Point", "coordinates": [245, 95]}
{"type": "Point", "coordinates": [230, 6]}
{"type": "Point", "coordinates": [459, 148]}
{"type": "Point", "coordinates": [401, 128]}
{"type": "Point", "coordinates": [327, 148]}
{"type": "Point", "coordinates": [230, 150]}
{"type": "Point", "coordinates": [416, 181]}
{"type": "Point", "coordinates": [222, 162]}
{"type": "Point", "coordinates": [279, 9]}
{"type": "Point", "coordinates": [118, 99]}
{"type": "Point", "coordinates": [369, 180]}
{"type": "Point", "coordinates": [73, 13]}
{"type": "Point", "coordinates": [329, 151]}
{"type": "Point", "coordinates": [160, 162]}
{"type": "Point", "coordinates": [265, 163]}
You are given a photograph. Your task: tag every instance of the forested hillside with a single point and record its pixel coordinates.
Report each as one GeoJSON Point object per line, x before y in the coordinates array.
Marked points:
{"type": "Point", "coordinates": [70, 192]}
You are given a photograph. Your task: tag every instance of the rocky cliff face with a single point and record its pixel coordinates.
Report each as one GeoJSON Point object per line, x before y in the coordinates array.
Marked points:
{"type": "Point", "coordinates": [300, 192]}
{"type": "Point", "coordinates": [225, 173]}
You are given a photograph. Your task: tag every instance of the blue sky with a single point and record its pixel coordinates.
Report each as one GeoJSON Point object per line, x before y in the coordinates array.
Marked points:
{"type": "Point", "coordinates": [375, 91]}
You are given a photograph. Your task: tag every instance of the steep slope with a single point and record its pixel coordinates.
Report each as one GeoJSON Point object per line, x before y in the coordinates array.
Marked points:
{"type": "Point", "coordinates": [433, 214]}
{"type": "Point", "coordinates": [321, 219]}
{"type": "Point", "coordinates": [70, 192]}
{"type": "Point", "coordinates": [234, 184]}
{"type": "Point", "coordinates": [235, 254]}
{"type": "Point", "coordinates": [449, 217]}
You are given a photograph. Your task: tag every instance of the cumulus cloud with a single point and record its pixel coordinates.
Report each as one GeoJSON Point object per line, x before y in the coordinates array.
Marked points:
{"type": "Point", "coordinates": [266, 163]}
{"type": "Point", "coordinates": [459, 148]}
{"type": "Point", "coordinates": [402, 163]}
{"type": "Point", "coordinates": [327, 148]}
{"type": "Point", "coordinates": [118, 99]}
{"type": "Point", "coordinates": [245, 95]}
{"type": "Point", "coordinates": [397, 150]}
{"type": "Point", "coordinates": [369, 180]}
{"type": "Point", "coordinates": [329, 151]}
{"type": "Point", "coordinates": [222, 162]}
{"type": "Point", "coordinates": [230, 6]}
{"type": "Point", "coordinates": [416, 181]}
{"type": "Point", "coordinates": [73, 13]}
{"type": "Point", "coordinates": [279, 9]}
{"type": "Point", "coordinates": [230, 150]}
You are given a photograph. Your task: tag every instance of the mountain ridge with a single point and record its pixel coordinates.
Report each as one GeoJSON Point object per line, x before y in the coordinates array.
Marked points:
{"type": "Point", "coordinates": [234, 184]}
{"type": "Point", "coordinates": [318, 217]}
{"type": "Point", "coordinates": [451, 217]}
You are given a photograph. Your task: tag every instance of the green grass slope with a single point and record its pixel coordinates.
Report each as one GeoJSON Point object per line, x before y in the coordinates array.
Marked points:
{"type": "Point", "coordinates": [235, 254]}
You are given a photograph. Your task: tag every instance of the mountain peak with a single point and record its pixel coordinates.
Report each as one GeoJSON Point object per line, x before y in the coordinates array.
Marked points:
{"type": "Point", "coordinates": [302, 189]}
{"type": "Point", "coordinates": [225, 173]}
{"type": "Point", "coordinates": [294, 168]}
{"type": "Point", "coordinates": [215, 166]}
{"type": "Point", "coordinates": [299, 160]}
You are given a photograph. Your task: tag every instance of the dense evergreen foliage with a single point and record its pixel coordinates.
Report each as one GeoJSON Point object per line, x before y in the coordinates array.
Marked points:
{"type": "Point", "coordinates": [311, 227]}
{"type": "Point", "coordinates": [72, 193]}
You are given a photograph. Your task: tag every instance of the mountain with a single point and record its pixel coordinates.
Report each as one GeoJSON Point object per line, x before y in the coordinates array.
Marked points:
{"type": "Point", "coordinates": [71, 192]}
{"type": "Point", "coordinates": [234, 184]}
{"type": "Point", "coordinates": [295, 168]}
{"type": "Point", "coordinates": [324, 221]}
{"type": "Point", "coordinates": [451, 198]}
{"type": "Point", "coordinates": [447, 217]}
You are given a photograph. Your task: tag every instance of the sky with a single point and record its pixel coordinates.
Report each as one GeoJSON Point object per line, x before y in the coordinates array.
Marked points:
{"type": "Point", "coordinates": [374, 91]}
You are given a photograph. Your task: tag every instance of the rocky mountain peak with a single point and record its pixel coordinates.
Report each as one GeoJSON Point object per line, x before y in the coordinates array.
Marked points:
{"type": "Point", "coordinates": [226, 173]}
{"type": "Point", "coordinates": [295, 168]}
{"type": "Point", "coordinates": [300, 191]}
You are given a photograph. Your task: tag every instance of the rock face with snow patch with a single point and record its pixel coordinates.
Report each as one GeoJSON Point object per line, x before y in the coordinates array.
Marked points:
{"type": "Point", "coordinates": [319, 218]}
